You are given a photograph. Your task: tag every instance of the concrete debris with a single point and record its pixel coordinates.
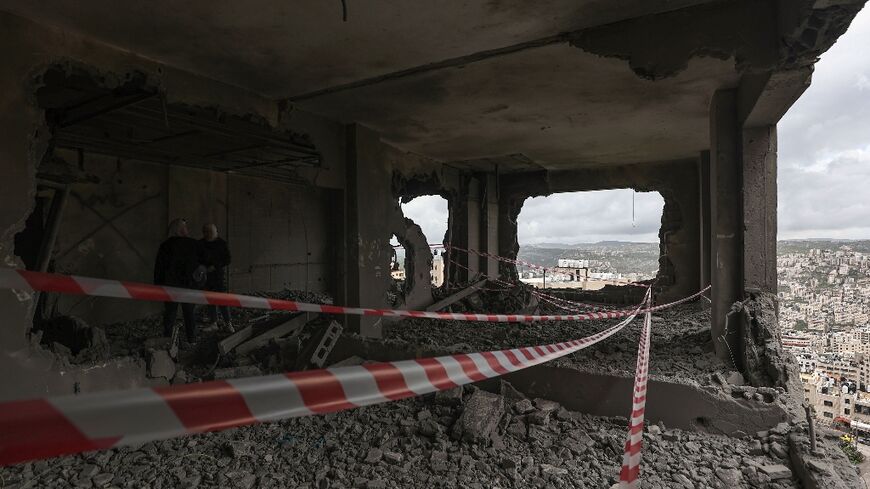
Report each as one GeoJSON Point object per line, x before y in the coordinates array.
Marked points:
{"type": "Point", "coordinates": [349, 362]}
{"type": "Point", "coordinates": [481, 416]}
{"type": "Point", "coordinates": [160, 365]}
{"type": "Point", "coordinates": [76, 341]}
{"type": "Point", "coordinates": [409, 444]}
{"type": "Point", "coordinates": [776, 472]}
{"type": "Point", "coordinates": [237, 372]}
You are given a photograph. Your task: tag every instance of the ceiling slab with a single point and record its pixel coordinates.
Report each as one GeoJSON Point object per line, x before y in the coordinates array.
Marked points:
{"type": "Point", "coordinates": [557, 105]}
{"type": "Point", "coordinates": [283, 48]}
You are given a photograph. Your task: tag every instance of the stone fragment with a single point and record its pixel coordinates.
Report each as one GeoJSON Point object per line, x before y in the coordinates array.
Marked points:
{"type": "Point", "coordinates": [735, 378]}
{"type": "Point", "coordinates": [523, 407]}
{"type": "Point", "coordinates": [89, 470]}
{"type": "Point", "coordinates": [393, 457]}
{"type": "Point", "coordinates": [776, 472]}
{"type": "Point", "coordinates": [553, 470]}
{"type": "Point", "coordinates": [374, 456]}
{"type": "Point", "coordinates": [819, 467]}
{"type": "Point", "coordinates": [778, 450]}
{"type": "Point", "coordinates": [755, 448]}
{"type": "Point", "coordinates": [654, 430]}
{"type": "Point", "coordinates": [479, 419]}
{"type": "Point", "coordinates": [546, 405]}
{"type": "Point", "coordinates": [541, 418]}
{"type": "Point", "coordinates": [102, 480]}
{"type": "Point", "coordinates": [449, 397]}
{"type": "Point", "coordinates": [730, 477]}
{"type": "Point", "coordinates": [160, 365]}
{"type": "Point", "coordinates": [238, 449]}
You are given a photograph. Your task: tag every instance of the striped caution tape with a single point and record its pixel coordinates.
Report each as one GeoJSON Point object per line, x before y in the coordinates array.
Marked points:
{"type": "Point", "coordinates": [41, 428]}
{"type": "Point", "coordinates": [70, 284]}
{"type": "Point", "coordinates": [629, 476]}
{"type": "Point", "coordinates": [504, 259]}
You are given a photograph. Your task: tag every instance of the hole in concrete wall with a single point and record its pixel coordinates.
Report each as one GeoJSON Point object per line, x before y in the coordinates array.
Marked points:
{"type": "Point", "coordinates": [431, 213]}
{"type": "Point", "coordinates": [397, 271]}
{"type": "Point", "coordinates": [591, 239]}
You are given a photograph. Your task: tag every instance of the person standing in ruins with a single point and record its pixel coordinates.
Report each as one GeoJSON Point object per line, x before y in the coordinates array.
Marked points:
{"type": "Point", "coordinates": [178, 264]}
{"type": "Point", "coordinates": [216, 258]}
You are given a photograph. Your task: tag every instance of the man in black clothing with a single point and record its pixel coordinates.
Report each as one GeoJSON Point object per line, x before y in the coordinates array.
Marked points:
{"type": "Point", "coordinates": [216, 258]}
{"type": "Point", "coordinates": [178, 264]}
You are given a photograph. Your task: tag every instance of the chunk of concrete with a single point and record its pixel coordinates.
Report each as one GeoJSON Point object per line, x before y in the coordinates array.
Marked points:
{"type": "Point", "coordinates": [735, 378]}
{"type": "Point", "coordinates": [776, 472]}
{"type": "Point", "coordinates": [160, 364]}
{"type": "Point", "coordinates": [480, 418]}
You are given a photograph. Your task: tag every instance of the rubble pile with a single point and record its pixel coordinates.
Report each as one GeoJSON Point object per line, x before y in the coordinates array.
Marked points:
{"type": "Point", "coordinates": [681, 347]}
{"type": "Point", "coordinates": [458, 438]}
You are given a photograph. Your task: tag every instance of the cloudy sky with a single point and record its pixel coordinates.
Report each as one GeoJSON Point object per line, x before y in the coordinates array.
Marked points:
{"type": "Point", "coordinates": [824, 169]}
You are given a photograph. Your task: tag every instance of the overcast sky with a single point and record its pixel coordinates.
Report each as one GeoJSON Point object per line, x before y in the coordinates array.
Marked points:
{"type": "Point", "coordinates": [824, 169]}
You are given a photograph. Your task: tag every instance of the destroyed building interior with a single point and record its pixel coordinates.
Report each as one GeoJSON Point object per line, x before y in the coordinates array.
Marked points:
{"type": "Point", "coordinates": [300, 129]}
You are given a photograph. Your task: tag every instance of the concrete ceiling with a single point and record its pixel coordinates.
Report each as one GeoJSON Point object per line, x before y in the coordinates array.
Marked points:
{"type": "Point", "coordinates": [549, 105]}
{"type": "Point", "coordinates": [283, 48]}
{"type": "Point", "coordinates": [557, 105]}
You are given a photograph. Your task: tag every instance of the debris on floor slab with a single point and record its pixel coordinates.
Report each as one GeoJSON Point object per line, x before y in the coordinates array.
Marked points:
{"type": "Point", "coordinates": [411, 443]}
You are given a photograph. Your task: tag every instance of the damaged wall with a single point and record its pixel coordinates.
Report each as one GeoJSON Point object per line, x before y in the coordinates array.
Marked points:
{"type": "Point", "coordinates": [29, 49]}
{"type": "Point", "coordinates": [677, 182]}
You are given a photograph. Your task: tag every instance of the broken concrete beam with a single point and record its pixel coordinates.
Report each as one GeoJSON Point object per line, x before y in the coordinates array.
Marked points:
{"type": "Point", "coordinates": [457, 296]}
{"type": "Point", "coordinates": [235, 339]}
{"type": "Point", "coordinates": [293, 325]}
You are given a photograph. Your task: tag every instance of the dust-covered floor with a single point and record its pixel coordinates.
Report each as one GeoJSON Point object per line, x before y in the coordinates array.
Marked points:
{"type": "Point", "coordinates": [461, 438]}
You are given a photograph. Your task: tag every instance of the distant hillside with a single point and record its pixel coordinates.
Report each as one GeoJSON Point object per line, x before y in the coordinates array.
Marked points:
{"type": "Point", "coordinates": [607, 256]}
{"type": "Point", "coordinates": [804, 245]}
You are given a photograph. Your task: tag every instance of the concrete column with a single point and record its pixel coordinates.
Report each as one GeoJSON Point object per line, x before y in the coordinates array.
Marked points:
{"type": "Point", "coordinates": [491, 225]}
{"type": "Point", "coordinates": [472, 225]}
{"type": "Point", "coordinates": [759, 209]}
{"type": "Point", "coordinates": [368, 207]}
{"type": "Point", "coordinates": [704, 206]}
{"type": "Point", "coordinates": [726, 221]}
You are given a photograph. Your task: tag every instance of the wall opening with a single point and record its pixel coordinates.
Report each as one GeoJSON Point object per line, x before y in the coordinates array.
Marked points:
{"type": "Point", "coordinates": [589, 240]}
{"type": "Point", "coordinates": [431, 213]}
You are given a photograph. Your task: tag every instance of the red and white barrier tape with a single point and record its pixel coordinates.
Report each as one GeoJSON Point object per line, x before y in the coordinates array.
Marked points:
{"type": "Point", "coordinates": [70, 284]}
{"type": "Point", "coordinates": [41, 428]}
{"type": "Point", "coordinates": [629, 476]}
{"type": "Point", "coordinates": [484, 254]}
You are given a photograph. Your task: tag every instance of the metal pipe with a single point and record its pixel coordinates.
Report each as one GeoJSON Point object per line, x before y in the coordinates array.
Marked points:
{"type": "Point", "coordinates": [54, 218]}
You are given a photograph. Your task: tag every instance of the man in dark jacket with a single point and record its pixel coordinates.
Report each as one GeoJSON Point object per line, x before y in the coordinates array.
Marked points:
{"type": "Point", "coordinates": [216, 258]}
{"type": "Point", "coordinates": [179, 264]}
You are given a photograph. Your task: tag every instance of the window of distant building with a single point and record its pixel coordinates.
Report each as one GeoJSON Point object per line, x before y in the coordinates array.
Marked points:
{"type": "Point", "coordinates": [846, 411]}
{"type": "Point", "coordinates": [847, 401]}
{"type": "Point", "coordinates": [829, 403]}
{"type": "Point", "coordinates": [828, 415]}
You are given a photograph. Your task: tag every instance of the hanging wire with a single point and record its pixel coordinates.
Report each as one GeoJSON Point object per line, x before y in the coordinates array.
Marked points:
{"type": "Point", "coordinates": [344, 10]}
{"type": "Point", "coordinates": [632, 208]}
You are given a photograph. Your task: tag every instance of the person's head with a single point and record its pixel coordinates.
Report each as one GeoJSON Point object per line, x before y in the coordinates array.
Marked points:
{"type": "Point", "coordinates": [209, 232]}
{"type": "Point", "coordinates": [178, 227]}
